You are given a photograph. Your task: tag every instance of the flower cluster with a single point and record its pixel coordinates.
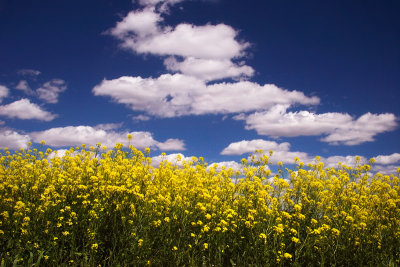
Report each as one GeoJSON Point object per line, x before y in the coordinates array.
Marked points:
{"type": "Point", "coordinates": [111, 207]}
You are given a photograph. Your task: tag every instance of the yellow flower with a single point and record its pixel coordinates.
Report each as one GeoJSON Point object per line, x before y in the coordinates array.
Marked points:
{"type": "Point", "coordinates": [287, 256]}
{"type": "Point", "coordinates": [263, 236]}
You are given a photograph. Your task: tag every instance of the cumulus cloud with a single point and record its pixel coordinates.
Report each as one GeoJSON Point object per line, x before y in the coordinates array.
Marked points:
{"type": "Point", "coordinates": [178, 95]}
{"type": "Point", "coordinates": [13, 140]}
{"type": "Point", "coordinates": [171, 144]}
{"type": "Point", "coordinates": [50, 90]}
{"type": "Point", "coordinates": [3, 92]}
{"type": "Point", "coordinates": [384, 164]}
{"type": "Point", "coordinates": [139, 23]}
{"type": "Point", "coordinates": [108, 126]}
{"type": "Point", "coordinates": [205, 53]}
{"type": "Point", "coordinates": [174, 158]}
{"type": "Point", "coordinates": [385, 169]}
{"type": "Point", "coordinates": [363, 129]}
{"type": "Point", "coordinates": [140, 31]}
{"type": "Point", "coordinates": [25, 110]}
{"type": "Point", "coordinates": [245, 146]}
{"type": "Point", "coordinates": [200, 54]}
{"type": "Point", "coordinates": [207, 50]}
{"type": "Point", "coordinates": [227, 164]}
{"type": "Point", "coordinates": [78, 135]}
{"type": "Point", "coordinates": [281, 152]}
{"type": "Point", "coordinates": [208, 69]}
{"type": "Point", "coordinates": [24, 86]}
{"type": "Point", "coordinates": [339, 128]}
{"type": "Point", "coordinates": [349, 160]}
{"type": "Point", "coordinates": [388, 159]}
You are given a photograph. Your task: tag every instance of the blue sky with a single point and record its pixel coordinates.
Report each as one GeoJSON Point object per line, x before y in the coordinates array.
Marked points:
{"type": "Point", "coordinates": [216, 79]}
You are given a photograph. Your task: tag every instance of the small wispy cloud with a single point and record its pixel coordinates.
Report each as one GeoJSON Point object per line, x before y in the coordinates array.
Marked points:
{"type": "Point", "coordinates": [3, 92]}
{"type": "Point", "coordinates": [24, 86]}
{"type": "Point", "coordinates": [28, 72]}
{"type": "Point", "coordinates": [50, 90]}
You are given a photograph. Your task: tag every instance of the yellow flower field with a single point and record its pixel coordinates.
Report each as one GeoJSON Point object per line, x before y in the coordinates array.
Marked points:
{"type": "Point", "coordinates": [95, 206]}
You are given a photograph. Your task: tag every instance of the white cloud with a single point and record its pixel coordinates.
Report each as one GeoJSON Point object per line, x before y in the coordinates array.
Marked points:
{"type": "Point", "coordinates": [171, 158]}
{"type": "Point", "coordinates": [339, 128]}
{"type": "Point", "coordinates": [50, 90]}
{"type": "Point", "coordinates": [140, 118]}
{"type": "Point", "coordinates": [60, 153]}
{"type": "Point", "coordinates": [227, 164]}
{"type": "Point", "coordinates": [362, 129]}
{"type": "Point", "coordinates": [155, 2]}
{"type": "Point", "coordinates": [207, 53]}
{"type": "Point", "coordinates": [24, 86]}
{"type": "Point", "coordinates": [349, 160]}
{"type": "Point", "coordinates": [64, 152]}
{"type": "Point", "coordinates": [177, 95]}
{"type": "Point", "coordinates": [246, 96]}
{"type": "Point", "coordinates": [387, 159]}
{"type": "Point", "coordinates": [151, 95]}
{"type": "Point", "coordinates": [384, 164]}
{"type": "Point", "coordinates": [207, 50]}
{"type": "Point", "coordinates": [78, 135]}
{"type": "Point", "coordinates": [160, 5]}
{"type": "Point", "coordinates": [208, 69]}
{"type": "Point", "coordinates": [201, 54]}
{"type": "Point", "coordinates": [281, 152]}
{"type": "Point", "coordinates": [245, 146]}
{"type": "Point", "coordinates": [385, 169]}
{"type": "Point", "coordinates": [3, 92]}
{"type": "Point", "coordinates": [13, 140]}
{"type": "Point", "coordinates": [171, 144]}
{"type": "Point", "coordinates": [141, 23]}
{"type": "Point", "coordinates": [28, 72]}
{"type": "Point", "coordinates": [140, 32]}
{"type": "Point", "coordinates": [25, 110]}
{"type": "Point", "coordinates": [108, 126]}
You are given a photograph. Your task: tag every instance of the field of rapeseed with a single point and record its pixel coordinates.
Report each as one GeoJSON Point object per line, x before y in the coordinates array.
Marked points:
{"type": "Point", "coordinates": [95, 206]}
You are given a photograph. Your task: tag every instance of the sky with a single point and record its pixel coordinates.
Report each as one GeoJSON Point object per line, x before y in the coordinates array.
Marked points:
{"type": "Point", "coordinates": [211, 78]}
